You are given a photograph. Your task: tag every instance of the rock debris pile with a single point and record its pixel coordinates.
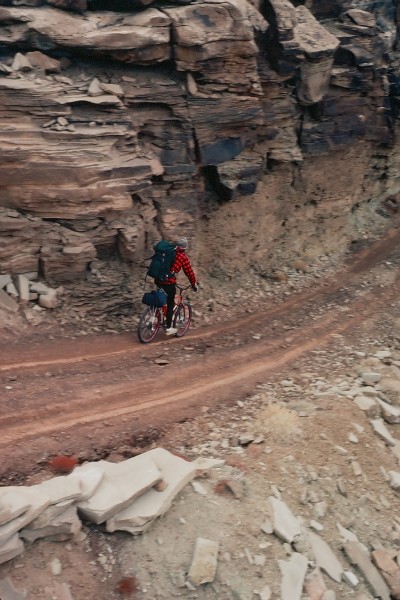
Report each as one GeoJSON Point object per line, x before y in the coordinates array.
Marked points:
{"type": "Point", "coordinates": [24, 289]}
{"type": "Point", "coordinates": [125, 496]}
{"type": "Point", "coordinates": [316, 555]}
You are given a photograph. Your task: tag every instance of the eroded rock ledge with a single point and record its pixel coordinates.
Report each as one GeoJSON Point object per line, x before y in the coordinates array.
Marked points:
{"type": "Point", "coordinates": [117, 128]}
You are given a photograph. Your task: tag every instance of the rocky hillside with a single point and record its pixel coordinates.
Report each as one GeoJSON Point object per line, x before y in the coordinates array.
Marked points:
{"type": "Point", "coordinates": [265, 132]}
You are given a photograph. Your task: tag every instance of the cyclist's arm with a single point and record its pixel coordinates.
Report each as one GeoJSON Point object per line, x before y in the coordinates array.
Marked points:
{"type": "Point", "coordinates": [187, 269]}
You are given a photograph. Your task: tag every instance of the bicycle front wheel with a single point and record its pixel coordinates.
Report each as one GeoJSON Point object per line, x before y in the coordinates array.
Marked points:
{"type": "Point", "coordinates": [182, 318]}
{"type": "Point", "coordinates": [149, 324]}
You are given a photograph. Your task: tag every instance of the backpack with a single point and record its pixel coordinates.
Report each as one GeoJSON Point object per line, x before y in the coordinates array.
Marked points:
{"type": "Point", "coordinates": [162, 260]}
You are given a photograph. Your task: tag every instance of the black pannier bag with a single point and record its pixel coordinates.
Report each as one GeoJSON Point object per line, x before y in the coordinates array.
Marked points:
{"type": "Point", "coordinates": [156, 298]}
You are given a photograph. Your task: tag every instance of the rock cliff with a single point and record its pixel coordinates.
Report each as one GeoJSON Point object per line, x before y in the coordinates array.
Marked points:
{"type": "Point", "coordinates": [259, 130]}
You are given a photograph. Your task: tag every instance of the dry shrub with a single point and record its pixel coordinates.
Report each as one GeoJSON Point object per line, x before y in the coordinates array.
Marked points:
{"type": "Point", "coordinates": [127, 586]}
{"type": "Point", "coordinates": [63, 464]}
{"type": "Point", "coordinates": [279, 424]}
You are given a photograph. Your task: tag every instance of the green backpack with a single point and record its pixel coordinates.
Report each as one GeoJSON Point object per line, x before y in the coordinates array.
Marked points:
{"type": "Point", "coordinates": [162, 260]}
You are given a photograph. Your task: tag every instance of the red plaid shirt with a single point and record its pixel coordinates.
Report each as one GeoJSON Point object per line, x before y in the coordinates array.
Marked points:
{"type": "Point", "coordinates": [181, 262]}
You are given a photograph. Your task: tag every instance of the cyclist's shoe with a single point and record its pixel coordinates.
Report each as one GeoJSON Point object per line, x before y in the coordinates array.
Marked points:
{"type": "Point", "coordinates": [171, 331]}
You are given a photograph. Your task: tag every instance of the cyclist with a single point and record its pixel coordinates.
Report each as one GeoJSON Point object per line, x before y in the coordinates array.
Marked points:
{"type": "Point", "coordinates": [181, 261]}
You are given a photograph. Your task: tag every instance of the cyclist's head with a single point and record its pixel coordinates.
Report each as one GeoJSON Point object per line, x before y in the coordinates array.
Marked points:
{"type": "Point", "coordinates": [182, 243]}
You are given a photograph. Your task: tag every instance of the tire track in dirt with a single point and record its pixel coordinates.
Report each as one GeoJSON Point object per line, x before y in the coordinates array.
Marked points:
{"type": "Point", "coordinates": [69, 411]}
{"type": "Point", "coordinates": [213, 378]}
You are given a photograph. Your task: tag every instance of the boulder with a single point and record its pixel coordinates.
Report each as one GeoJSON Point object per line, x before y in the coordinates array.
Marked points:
{"type": "Point", "coordinates": [319, 47]}
{"type": "Point", "coordinates": [42, 61]}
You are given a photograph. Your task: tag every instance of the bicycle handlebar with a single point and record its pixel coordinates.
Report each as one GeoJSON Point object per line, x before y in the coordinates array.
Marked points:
{"type": "Point", "coordinates": [183, 288]}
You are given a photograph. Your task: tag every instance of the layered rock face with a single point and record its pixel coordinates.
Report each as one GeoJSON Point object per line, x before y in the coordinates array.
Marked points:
{"type": "Point", "coordinates": [123, 122]}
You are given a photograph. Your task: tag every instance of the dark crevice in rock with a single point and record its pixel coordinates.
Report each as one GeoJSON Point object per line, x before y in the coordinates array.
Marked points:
{"type": "Point", "coordinates": [213, 183]}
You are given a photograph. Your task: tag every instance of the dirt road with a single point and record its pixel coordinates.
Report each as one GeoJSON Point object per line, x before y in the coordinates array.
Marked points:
{"type": "Point", "coordinates": [88, 396]}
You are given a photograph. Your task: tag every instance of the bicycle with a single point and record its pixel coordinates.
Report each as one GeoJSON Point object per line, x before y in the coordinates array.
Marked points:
{"type": "Point", "coordinates": [153, 319]}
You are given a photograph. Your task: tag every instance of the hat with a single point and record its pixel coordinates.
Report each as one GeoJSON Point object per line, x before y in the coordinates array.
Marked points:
{"type": "Point", "coordinates": [182, 243]}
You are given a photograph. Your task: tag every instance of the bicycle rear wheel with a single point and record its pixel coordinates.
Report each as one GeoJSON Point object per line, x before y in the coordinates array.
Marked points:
{"type": "Point", "coordinates": [149, 324]}
{"type": "Point", "coordinates": [182, 318]}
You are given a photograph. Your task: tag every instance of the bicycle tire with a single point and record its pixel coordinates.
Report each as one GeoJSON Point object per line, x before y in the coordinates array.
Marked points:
{"type": "Point", "coordinates": [149, 324]}
{"type": "Point", "coordinates": [182, 318]}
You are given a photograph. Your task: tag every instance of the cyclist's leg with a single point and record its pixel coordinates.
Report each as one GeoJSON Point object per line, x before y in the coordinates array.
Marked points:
{"type": "Point", "coordinates": [182, 318]}
{"type": "Point", "coordinates": [170, 290]}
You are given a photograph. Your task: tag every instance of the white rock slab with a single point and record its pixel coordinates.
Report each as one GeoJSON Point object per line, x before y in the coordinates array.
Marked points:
{"type": "Point", "coordinates": [394, 480]}
{"type": "Point", "coordinates": [40, 288]}
{"type": "Point", "coordinates": [265, 593]}
{"type": "Point", "coordinates": [4, 280]}
{"type": "Point", "coordinates": [381, 430]}
{"type": "Point", "coordinates": [59, 489]}
{"type": "Point", "coordinates": [176, 473]}
{"type": "Point", "coordinates": [22, 285]}
{"type": "Point", "coordinates": [49, 299]}
{"type": "Point", "coordinates": [358, 556]}
{"type": "Point", "coordinates": [13, 547]}
{"type": "Point", "coordinates": [371, 378]}
{"type": "Point", "coordinates": [368, 390]}
{"type": "Point", "coordinates": [368, 405]}
{"type": "Point", "coordinates": [390, 413]}
{"type": "Point", "coordinates": [62, 527]}
{"type": "Point", "coordinates": [396, 450]}
{"type": "Point", "coordinates": [21, 63]}
{"type": "Point", "coordinates": [13, 503]}
{"type": "Point", "coordinates": [56, 566]}
{"type": "Point", "coordinates": [63, 591]}
{"type": "Point", "coordinates": [351, 578]}
{"type": "Point", "coordinates": [38, 502]}
{"type": "Point", "coordinates": [8, 591]}
{"type": "Point", "coordinates": [324, 557]}
{"type": "Point", "coordinates": [89, 477]}
{"type": "Point", "coordinates": [204, 562]}
{"type": "Point", "coordinates": [314, 585]}
{"type": "Point", "coordinates": [285, 524]}
{"type": "Point", "coordinates": [347, 535]}
{"type": "Point", "coordinates": [7, 302]}
{"type": "Point", "coordinates": [121, 484]}
{"type": "Point", "coordinates": [204, 464]}
{"type": "Point", "coordinates": [49, 514]}
{"type": "Point", "coordinates": [293, 574]}
{"type": "Point", "coordinates": [199, 488]}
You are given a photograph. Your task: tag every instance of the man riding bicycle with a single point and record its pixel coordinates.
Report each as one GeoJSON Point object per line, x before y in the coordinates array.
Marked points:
{"type": "Point", "coordinates": [181, 261]}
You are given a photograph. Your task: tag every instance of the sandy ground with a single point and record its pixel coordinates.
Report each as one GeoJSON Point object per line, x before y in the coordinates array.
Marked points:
{"type": "Point", "coordinates": [108, 396]}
